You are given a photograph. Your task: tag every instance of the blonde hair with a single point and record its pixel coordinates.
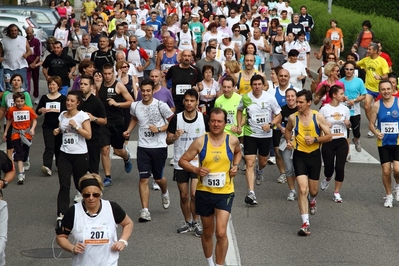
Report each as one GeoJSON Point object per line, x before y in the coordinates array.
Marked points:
{"type": "Point", "coordinates": [329, 67]}
{"type": "Point", "coordinates": [119, 64]}
{"type": "Point", "coordinates": [233, 66]}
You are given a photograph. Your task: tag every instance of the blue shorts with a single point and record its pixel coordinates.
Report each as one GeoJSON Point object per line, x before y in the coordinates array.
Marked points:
{"type": "Point", "coordinates": [206, 202]}
{"type": "Point", "coordinates": [151, 160]}
{"type": "Point", "coordinates": [372, 93]}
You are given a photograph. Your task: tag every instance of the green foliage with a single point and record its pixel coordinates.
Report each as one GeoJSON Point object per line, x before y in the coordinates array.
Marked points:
{"type": "Point", "coordinates": [385, 8]}
{"type": "Point", "coordinates": [350, 23]}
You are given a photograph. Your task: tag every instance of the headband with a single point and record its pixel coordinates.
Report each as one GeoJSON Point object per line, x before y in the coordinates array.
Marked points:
{"type": "Point", "coordinates": [89, 182]}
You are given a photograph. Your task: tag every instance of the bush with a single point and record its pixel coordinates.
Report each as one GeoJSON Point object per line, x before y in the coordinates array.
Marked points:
{"type": "Point", "coordinates": [386, 8]}
{"type": "Point", "coordinates": [350, 23]}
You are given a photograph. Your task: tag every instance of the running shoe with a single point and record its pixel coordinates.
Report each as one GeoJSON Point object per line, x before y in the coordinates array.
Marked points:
{"type": "Point", "coordinates": [271, 160]}
{"type": "Point", "coordinates": [27, 165]}
{"type": "Point", "coordinates": [396, 193]}
{"type": "Point", "coordinates": [155, 186]}
{"type": "Point", "coordinates": [337, 198]}
{"type": "Point", "coordinates": [358, 147]}
{"type": "Point", "coordinates": [348, 157]}
{"type": "Point", "coordinates": [185, 228]}
{"type": "Point", "coordinates": [197, 229]}
{"type": "Point", "coordinates": [244, 167]}
{"type": "Point", "coordinates": [165, 201]}
{"type": "Point", "coordinates": [388, 201]}
{"type": "Point", "coordinates": [21, 178]}
{"type": "Point", "coordinates": [145, 216]}
{"type": "Point", "coordinates": [128, 164]}
{"type": "Point", "coordinates": [46, 171]}
{"type": "Point", "coordinates": [282, 179]}
{"type": "Point", "coordinates": [305, 230]}
{"type": "Point", "coordinates": [172, 162]}
{"type": "Point", "coordinates": [291, 196]}
{"type": "Point", "coordinates": [58, 225]}
{"type": "Point", "coordinates": [370, 134]}
{"type": "Point", "coordinates": [325, 183]}
{"type": "Point", "coordinates": [107, 181]}
{"type": "Point", "coordinates": [251, 199]}
{"type": "Point", "coordinates": [78, 197]}
{"type": "Point", "coordinates": [259, 178]}
{"type": "Point", "coordinates": [312, 207]}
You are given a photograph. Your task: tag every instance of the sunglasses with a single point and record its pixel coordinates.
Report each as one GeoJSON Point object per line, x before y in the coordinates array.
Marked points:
{"type": "Point", "coordinates": [236, 30]}
{"type": "Point", "coordinates": [349, 69]}
{"type": "Point", "coordinates": [125, 67]}
{"type": "Point", "coordinates": [87, 195]}
{"type": "Point", "coordinates": [133, 42]}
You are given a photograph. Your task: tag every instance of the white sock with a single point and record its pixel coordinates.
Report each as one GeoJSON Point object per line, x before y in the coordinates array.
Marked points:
{"type": "Point", "coordinates": [389, 196]}
{"type": "Point", "coordinates": [145, 209]}
{"type": "Point", "coordinates": [166, 194]}
{"type": "Point", "coordinates": [293, 190]}
{"type": "Point", "coordinates": [305, 218]}
{"type": "Point", "coordinates": [312, 198]}
{"type": "Point", "coordinates": [219, 264]}
{"type": "Point", "coordinates": [252, 192]}
{"type": "Point", "coordinates": [396, 185]}
{"type": "Point", "coordinates": [210, 261]}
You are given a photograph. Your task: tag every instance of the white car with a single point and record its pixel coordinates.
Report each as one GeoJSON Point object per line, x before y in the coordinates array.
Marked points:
{"type": "Point", "coordinates": [23, 22]}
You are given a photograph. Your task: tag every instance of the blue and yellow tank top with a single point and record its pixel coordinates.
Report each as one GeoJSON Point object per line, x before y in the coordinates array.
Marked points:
{"type": "Point", "coordinates": [244, 86]}
{"type": "Point", "coordinates": [218, 160]}
{"type": "Point", "coordinates": [302, 131]}
{"type": "Point", "coordinates": [388, 120]}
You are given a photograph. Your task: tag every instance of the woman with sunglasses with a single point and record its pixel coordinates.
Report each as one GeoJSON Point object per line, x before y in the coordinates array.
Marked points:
{"type": "Point", "coordinates": [222, 9]}
{"type": "Point", "coordinates": [332, 72]}
{"type": "Point", "coordinates": [237, 37]}
{"type": "Point", "coordinates": [326, 49]}
{"type": "Point", "coordinates": [321, 76]}
{"type": "Point", "coordinates": [74, 125]}
{"type": "Point", "coordinates": [334, 152]}
{"type": "Point", "coordinates": [95, 235]}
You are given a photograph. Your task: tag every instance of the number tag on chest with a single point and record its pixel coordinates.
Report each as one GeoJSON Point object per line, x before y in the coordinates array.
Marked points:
{"type": "Point", "coordinates": [53, 105]}
{"type": "Point", "coordinates": [260, 119]}
{"type": "Point", "coordinates": [230, 119]}
{"type": "Point", "coordinates": [146, 133]}
{"type": "Point", "coordinates": [20, 116]}
{"type": "Point", "coordinates": [389, 128]}
{"type": "Point", "coordinates": [337, 131]}
{"type": "Point", "coordinates": [96, 235]}
{"type": "Point", "coordinates": [214, 180]}
{"type": "Point", "coordinates": [181, 89]}
{"type": "Point", "coordinates": [69, 138]}
{"type": "Point", "coordinates": [10, 103]}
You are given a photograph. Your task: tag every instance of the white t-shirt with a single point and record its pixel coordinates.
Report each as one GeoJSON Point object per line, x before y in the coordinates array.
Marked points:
{"type": "Point", "coordinates": [72, 141]}
{"type": "Point", "coordinates": [209, 90]}
{"type": "Point", "coordinates": [231, 21]}
{"type": "Point", "coordinates": [303, 48]}
{"type": "Point", "coordinates": [134, 58]}
{"type": "Point", "coordinates": [336, 115]}
{"type": "Point", "coordinates": [156, 113]}
{"type": "Point", "coordinates": [297, 69]}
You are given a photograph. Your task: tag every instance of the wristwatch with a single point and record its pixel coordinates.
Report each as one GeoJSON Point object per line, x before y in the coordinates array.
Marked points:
{"type": "Point", "coordinates": [272, 125]}
{"type": "Point", "coordinates": [5, 183]}
{"type": "Point", "coordinates": [159, 129]}
{"type": "Point", "coordinates": [316, 140]}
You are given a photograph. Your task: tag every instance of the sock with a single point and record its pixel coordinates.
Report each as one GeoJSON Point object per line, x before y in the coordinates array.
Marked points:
{"type": "Point", "coordinates": [108, 176]}
{"type": "Point", "coordinates": [305, 218]}
{"type": "Point", "coordinates": [293, 190]}
{"type": "Point", "coordinates": [210, 261]}
{"type": "Point", "coordinates": [389, 196]}
{"type": "Point", "coordinates": [251, 192]}
{"type": "Point", "coordinates": [311, 198]}
{"type": "Point", "coordinates": [166, 194]}
{"type": "Point", "coordinates": [145, 209]}
{"type": "Point", "coordinates": [219, 264]}
{"type": "Point", "coordinates": [189, 221]}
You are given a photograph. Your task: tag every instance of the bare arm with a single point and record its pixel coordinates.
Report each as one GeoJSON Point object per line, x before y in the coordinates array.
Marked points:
{"type": "Point", "coordinates": [325, 128]}
{"type": "Point", "coordinates": [127, 230]}
{"type": "Point", "coordinates": [372, 119]}
{"type": "Point", "coordinates": [159, 57]}
{"type": "Point", "coordinates": [189, 155]}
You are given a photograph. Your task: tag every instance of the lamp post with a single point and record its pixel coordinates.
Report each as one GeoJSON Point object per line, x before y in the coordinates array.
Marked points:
{"type": "Point", "coordinates": [329, 6]}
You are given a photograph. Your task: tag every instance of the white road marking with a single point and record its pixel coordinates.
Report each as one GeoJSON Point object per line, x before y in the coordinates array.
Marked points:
{"type": "Point", "coordinates": [233, 254]}
{"type": "Point", "coordinates": [361, 157]}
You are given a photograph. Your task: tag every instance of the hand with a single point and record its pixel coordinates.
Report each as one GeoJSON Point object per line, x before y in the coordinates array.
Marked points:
{"type": "Point", "coordinates": [347, 123]}
{"type": "Point", "coordinates": [351, 102]}
{"type": "Point", "coordinates": [282, 130]}
{"type": "Point", "coordinates": [153, 129]}
{"type": "Point", "coordinates": [120, 73]}
{"type": "Point", "coordinates": [126, 134]}
{"type": "Point", "coordinates": [111, 102]}
{"type": "Point", "coordinates": [266, 127]}
{"type": "Point", "coordinates": [379, 135]}
{"type": "Point", "coordinates": [5, 136]}
{"type": "Point", "coordinates": [79, 248]}
{"type": "Point", "coordinates": [329, 124]}
{"type": "Point", "coordinates": [56, 131]}
{"type": "Point", "coordinates": [233, 170]}
{"type": "Point", "coordinates": [179, 132]}
{"type": "Point", "coordinates": [32, 65]}
{"type": "Point", "coordinates": [309, 140]}
{"type": "Point", "coordinates": [289, 145]}
{"type": "Point", "coordinates": [70, 75]}
{"type": "Point", "coordinates": [202, 171]}
{"type": "Point", "coordinates": [43, 110]}
{"type": "Point", "coordinates": [32, 132]}
{"type": "Point", "coordinates": [239, 130]}
{"type": "Point", "coordinates": [72, 123]}
{"type": "Point", "coordinates": [140, 68]}
{"type": "Point", "coordinates": [118, 246]}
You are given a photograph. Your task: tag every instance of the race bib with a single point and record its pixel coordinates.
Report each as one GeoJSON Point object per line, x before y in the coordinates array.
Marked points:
{"type": "Point", "coordinates": [334, 36]}
{"type": "Point", "coordinates": [93, 44]}
{"type": "Point", "coordinates": [242, 27]}
{"type": "Point", "coordinates": [166, 66]}
{"type": "Point", "coordinates": [54, 105]}
{"type": "Point", "coordinates": [146, 133]}
{"type": "Point", "coordinates": [181, 89]}
{"type": "Point", "coordinates": [389, 128]}
{"type": "Point", "coordinates": [196, 29]}
{"type": "Point", "coordinates": [69, 138]}
{"type": "Point", "coordinates": [305, 24]}
{"type": "Point", "coordinates": [10, 103]}
{"type": "Point", "coordinates": [150, 53]}
{"type": "Point", "coordinates": [185, 42]}
{"type": "Point", "coordinates": [155, 27]}
{"type": "Point", "coordinates": [77, 37]}
{"type": "Point", "coordinates": [132, 27]}
{"type": "Point", "coordinates": [96, 235]}
{"type": "Point", "coordinates": [20, 116]}
{"type": "Point", "coordinates": [61, 35]}
{"type": "Point", "coordinates": [214, 180]}
{"type": "Point", "coordinates": [260, 119]}
{"type": "Point", "coordinates": [32, 49]}
{"type": "Point", "coordinates": [337, 131]}
{"type": "Point", "coordinates": [238, 42]}
{"type": "Point", "coordinates": [263, 24]}
{"type": "Point", "coordinates": [86, 55]}
{"type": "Point", "coordinates": [230, 119]}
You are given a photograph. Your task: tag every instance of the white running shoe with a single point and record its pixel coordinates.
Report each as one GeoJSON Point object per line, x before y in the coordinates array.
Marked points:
{"type": "Point", "coordinates": [282, 179]}
{"type": "Point", "coordinates": [337, 198]}
{"type": "Point", "coordinates": [370, 134]}
{"type": "Point", "coordinates": [395, 193]}
{"type": "Point", "coordinates": [46, 171]}
{"type": "Point", "coordinates": [145, 216]}
{"type": "Point", "coordinates": [78, 197]}
{"type": "Point", "coordinates": [325, 183]}
{"type": "Point", "coordinates": [291, 196]}
{"type": "Point", "coordinates": [358, 147]}
{"type": "Point", "coordinates": [21, 178]}
{"type": "Point", "coordinates": [272, 160]}
{"type": "Point", "coordinates": [27, 165]}
{"type": "Point", "coordinates": [388, 201]}
{"type": "Point", "coordinates": [172, 162]}
{"type": "Point", "coordinates": [165, 201]}
{"type": "Point", "coordinates": [155, 186]}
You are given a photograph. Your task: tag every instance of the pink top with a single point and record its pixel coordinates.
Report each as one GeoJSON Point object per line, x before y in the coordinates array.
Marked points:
{"type": "Point", "coordinates": [62, 11]}
{"type": "Point", "coordinates": [326, 98]}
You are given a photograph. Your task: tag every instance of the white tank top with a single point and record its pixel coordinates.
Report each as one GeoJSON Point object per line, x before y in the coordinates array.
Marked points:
{"type": "Point", "coordinates": [119, 40]}
{"type": "Point", "coordinates": [258, 43]}
{"type": "Point", "coordinates": [13, 51]}
{"type": "Point", "coordinates": [231, 46]}
{"type": "Point", "coordinates": [185, 41]}
{"type": "Point", "coordinates": [98, 233]}
{"type": "Point", "coordinates": [193, 131]}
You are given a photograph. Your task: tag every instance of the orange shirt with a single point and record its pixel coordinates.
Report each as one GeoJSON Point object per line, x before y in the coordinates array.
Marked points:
{"type": "Point", "coordinates": [335, 35]}
{"type": "Point", "coordinates": [366, 40]}
{"type": "Point", "coordinates": [21, 119]}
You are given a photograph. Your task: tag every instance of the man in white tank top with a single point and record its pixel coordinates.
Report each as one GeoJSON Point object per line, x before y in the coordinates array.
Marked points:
{"type": "Point", "coordinates": [185, 38]}
{"type": "Point", "coordinates": [120, 39]}
{"type": "Point", "coordinates": [262, 46]}
{"type": "Point", "coordinates": [16, 49]}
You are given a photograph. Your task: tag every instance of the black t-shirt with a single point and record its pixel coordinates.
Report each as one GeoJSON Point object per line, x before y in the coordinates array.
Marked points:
{"type": "Point", "coordinates": [94, 106]}
{"type": "Point", "coordinates": [69, 217]}
{"type": "Point", "coordinates": [182, 76]}
{"type": "Point", "coordinates": [114, 114]}
{"type": "Point", "coordinates": [51, 119]}
{"type": "Point", "coordinates": [6, 164]}
{"type": "Point", "coordinates": [101, 58]}
{"type": "Point", "coordinates": [285, 113]}
{"type": "Point", "coordinates": [173, 123]}
{"type": "Point", "coordinates": [59, 66]}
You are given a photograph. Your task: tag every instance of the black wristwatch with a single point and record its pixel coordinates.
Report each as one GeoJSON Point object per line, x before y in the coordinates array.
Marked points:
{"type": "Point", "coordinates": [272, 125]}
{"type": "Point", "coordinates": [316, 140]}
{"type": "Point", "coordinates": [5, 183]}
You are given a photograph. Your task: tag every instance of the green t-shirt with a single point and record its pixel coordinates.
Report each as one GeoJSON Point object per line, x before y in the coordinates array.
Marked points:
{"type": "Point", "coordinates": [7, 101]}
{"type": "Point", "coordinates": [197, 28]}
{"type": "Point", "coordinates": [230, 106]}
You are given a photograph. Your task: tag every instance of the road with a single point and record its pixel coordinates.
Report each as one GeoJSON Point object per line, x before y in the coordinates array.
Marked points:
{"type": "Point", "coordinates": [359, 231]}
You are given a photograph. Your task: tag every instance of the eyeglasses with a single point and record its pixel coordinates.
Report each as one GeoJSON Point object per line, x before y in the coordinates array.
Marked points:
{"type": "Point", "coordinates": [237, 30]}
{"type": "Point", "coordinates": [132, 42]}
{"type": "Point", "coordinates": [88, 195]}
{"type": "Point", "coordinates": [125, 67]}
{"type": "Point", "coordinates": [349, 69]}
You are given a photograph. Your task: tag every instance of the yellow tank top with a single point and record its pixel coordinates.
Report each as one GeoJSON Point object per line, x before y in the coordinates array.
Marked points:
{"type": "Point", "coordinates": [244, 86]}
{"type": "Point", "coordinates": [218, 160]}
{"type": "Point", "coordinates": [302, 131]}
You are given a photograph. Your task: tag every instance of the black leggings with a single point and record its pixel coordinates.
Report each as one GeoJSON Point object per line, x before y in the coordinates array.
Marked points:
{"type": "Point", "coordinates": [335, 150]}
{"type": "Point", "coordinates": [355, 121]}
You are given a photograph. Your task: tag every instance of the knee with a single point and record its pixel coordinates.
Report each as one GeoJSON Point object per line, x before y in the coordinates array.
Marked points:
{"type": "Point", "coordinates": [221, 234]}
{"type": "Point", "coordinates": [302, 189]}
{"type": "Point", "coordinates": [386, 173]}
{"type": "Point", "coordinates": [184, 197]}
{"type": "Point", "coordinates": [105, 151]}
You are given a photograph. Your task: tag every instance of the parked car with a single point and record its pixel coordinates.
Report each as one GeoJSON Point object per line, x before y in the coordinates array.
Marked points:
{"type": "Point", "coordinates": [26, 22]}
{"type": "Point", "coordinates": [44, 16]}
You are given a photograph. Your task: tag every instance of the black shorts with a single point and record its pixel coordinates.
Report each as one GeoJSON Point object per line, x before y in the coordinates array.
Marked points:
{"type": "Point", "coordinates": [307, 164]}
{"type": "Point", "coordinates": [206, 202]}
{"type": "Point", "coordinates": [276, 137]}
{"type": "Point", "coordinates": [9, 143]}
{"type": "Point", "coordinates": [112, 135]}
{"type": "Point", "coordinates": [388, 153]}
{"type": "Point", "coordinates": [252, 146]}
{"type": "Point", "coordinates": [151, 160]}
{"type": "Point", "coordinates": [181, 176]}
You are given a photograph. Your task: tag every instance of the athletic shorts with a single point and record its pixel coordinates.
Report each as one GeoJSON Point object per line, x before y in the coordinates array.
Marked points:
{"type": "Point", "coordinates": [151, 160]}
{"type": "Point", "coordinates": [206, 202]}
{"type": "Point", "coordinates": [308, 164]}
{"type": "Point", "coordinates": [112, 135]}
{"type": "Point", "coordinates": [181, 176]}
{"type": "Point", "coordinates": [276, 137]}
{"type": "Point", "coordinates": [388, 153]}
{"type": "Point", "coordinates": [372, 93]}
{"type": "Point", "coordinates": [252, 146]}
